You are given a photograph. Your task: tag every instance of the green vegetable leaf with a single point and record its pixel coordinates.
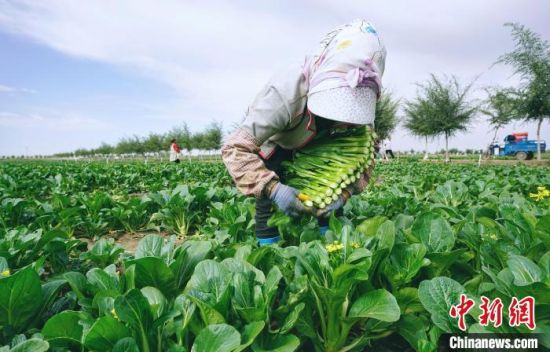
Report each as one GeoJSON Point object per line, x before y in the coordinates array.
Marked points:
{"type": "Point", "coordinates": [408, 300]}
{"type": "Point", "coordinates": [153, 271]}
{"type": "Point", "coordinates": [292, 318]}
{"type": "Point", "coordinates": [104, 334]}
{"type": "Point", "coordinates": [31, 345]}
{"type": "Point", "coordinates": [524, 270]}
{"type": "Point", "coordinates": [102, 281]}
{"type": "Point", "coordinates": [217, 338]}
{"type": "Point", "coordinates": [156, 300]}
{"type": "Point", "coordinates": [20, 299]}
{"type": "Point", "coordinates": [50, 290]}
{"type": "Point", "coordinates": [249, 334]}
{"type": "Point", "coordinates": [210, 283]}
{"type": "Point", "coordinates": [4, 265]}
{"type": "Point", "coordinates": [127, 344]}
{"type": "Point", "coordinates": [63, 330]}
{"type": "Point", "coordinates": [434, 232]}
{"type": "Point", "coordinates": [386, 235]}
{"type": "Point", "coordinates": [150, 246]}
{"type": "Point", "coordinates": [78, 283]}
{"type": "Point", "coordinates": [404, 262]}
{"type": "Point", "coordinates": [191, 253]}
{"type": "Point", "coordinates": [377, 304]}
{"type": "Point", "coordinates": [413, 329]}
{"type": "Point", "coordinates": [209, 314]}
{"type": "Point", "coordinates": [437, 296]}
{"type": "Point", "coordinates": [544, 264]}
{"type": "Point", "coordinates": [276, 343]}
{"type": "Point", "coordinates": [133, 309]}
{"type": "Point", "coordinates": [370, 226]}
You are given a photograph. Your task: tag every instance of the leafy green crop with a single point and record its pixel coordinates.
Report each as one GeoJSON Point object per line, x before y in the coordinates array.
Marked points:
{"type": "Point", "coordinates": [384, 277]}
{"type": "Point", "coordinates": [323, 168]}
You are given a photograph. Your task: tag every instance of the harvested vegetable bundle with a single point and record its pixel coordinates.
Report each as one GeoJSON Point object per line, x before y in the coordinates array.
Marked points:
{"type": "Point", "coordinates": [322, 169]}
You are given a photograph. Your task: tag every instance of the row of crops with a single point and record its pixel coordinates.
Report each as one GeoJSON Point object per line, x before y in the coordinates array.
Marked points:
{"type": "Point", "coordinates": [384, 278]}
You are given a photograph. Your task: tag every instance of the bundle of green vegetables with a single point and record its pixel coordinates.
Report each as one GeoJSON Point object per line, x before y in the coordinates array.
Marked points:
{"type": "Point", "coordinates": [322, 169]}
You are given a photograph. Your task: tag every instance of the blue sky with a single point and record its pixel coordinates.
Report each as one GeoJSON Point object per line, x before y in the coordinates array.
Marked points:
{"type": "Point", "coordinates": [53, 102]}
{"type": "Point", "coordinates": [75, 74]}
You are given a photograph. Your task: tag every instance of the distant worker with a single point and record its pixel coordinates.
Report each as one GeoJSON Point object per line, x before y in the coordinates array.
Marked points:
{"type": "Point", "coordinates": [338, 87]}
{"type": "Point", "coordinates": [387, 148]}
{"type": "Point", "coordinates": [175, 151]}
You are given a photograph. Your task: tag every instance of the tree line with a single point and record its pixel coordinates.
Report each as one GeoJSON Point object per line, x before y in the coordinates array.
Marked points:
{"type": "Point", "coordinates": [443, 106]}
{"type": "Point", "coordinates": [208, 139]}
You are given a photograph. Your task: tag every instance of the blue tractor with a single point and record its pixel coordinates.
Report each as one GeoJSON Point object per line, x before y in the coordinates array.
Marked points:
{"type": "Point", "coordinates": [517, 144]}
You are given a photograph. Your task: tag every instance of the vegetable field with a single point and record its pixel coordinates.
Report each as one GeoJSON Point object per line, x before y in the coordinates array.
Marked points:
{"type": "Point", "coordinates": [384, 278]}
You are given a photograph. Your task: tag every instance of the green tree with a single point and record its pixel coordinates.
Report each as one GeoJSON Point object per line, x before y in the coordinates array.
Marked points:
{"type": "Point", "coordinates": [198, 140]}
{"type": "Point", "coordinates": [499, 107]}
{"type": "Point", "coordinates": [154, 142]}
{"type": "Point", "coordinates": [82, 152]}
{"type": "Point", "coordinates": [417, 121]}
{"type": "Point", "coordinates": [129, 145]}
{"type": "Point", "coordinates": [444, 105]}
{"type": "Point", "coordinates": [104, 149]}
{"type": "Point", "coordinates": [213, 136]}
{"type": "Point", "coordinates": [531, 61]}
{"type": "Point", "coordinates": [386, 115]}
{"type": "Point", "coordinates": [210, 138]}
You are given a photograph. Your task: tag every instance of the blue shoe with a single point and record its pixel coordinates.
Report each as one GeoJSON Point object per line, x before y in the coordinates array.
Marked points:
{"type": "Point", "coordinates": [268, 241]}
{"type": "Point", "coordinates": [323, 230]}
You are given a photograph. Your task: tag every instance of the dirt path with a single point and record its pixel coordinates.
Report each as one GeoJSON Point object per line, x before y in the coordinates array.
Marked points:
{"type": "Point", "coordinates": [128, 241]}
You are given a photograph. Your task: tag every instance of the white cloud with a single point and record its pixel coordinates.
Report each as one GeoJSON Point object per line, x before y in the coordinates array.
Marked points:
{"type": "Point", "coordinates": [214, 54]}
{"type": "Point", "coordinates": [8, 89]}
{"type": "Point", "coordinates": [64, 122]}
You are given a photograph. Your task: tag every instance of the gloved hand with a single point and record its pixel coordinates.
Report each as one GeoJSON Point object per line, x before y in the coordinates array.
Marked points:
{"type": "Point", "coordinates": [326, 211]}
{"type": "Point", "coordinates": [337, 204]}
{"type": "Point", "coordinates": [286, 198]}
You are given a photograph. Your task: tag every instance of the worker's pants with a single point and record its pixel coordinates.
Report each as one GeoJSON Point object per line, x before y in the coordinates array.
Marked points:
{"type": "Point", "coordinates": [264, 206]}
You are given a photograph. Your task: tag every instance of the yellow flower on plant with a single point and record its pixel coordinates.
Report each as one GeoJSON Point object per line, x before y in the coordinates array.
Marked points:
{"type": "Point", "coordinates": [355, 245]}
{"type": "Point", "coordinates": [536, 197]}
{"type": "Point", "coordinates": [493, 237]}
{"type": "Point", "coordinates": [5, 273]}
{"type": "Point", "coordinates": [113, 312]}
{"type": "Point", "coordinates": [333, 247]}
{"type": "Point", "coordinates": [541, 194]}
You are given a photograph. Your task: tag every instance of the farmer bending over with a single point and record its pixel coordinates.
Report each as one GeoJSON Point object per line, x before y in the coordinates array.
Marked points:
{"type": "Point", "coordinates": [338, 87]}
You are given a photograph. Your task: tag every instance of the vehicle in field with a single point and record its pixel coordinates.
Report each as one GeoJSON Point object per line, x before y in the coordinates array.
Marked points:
{"type": "Point", "coordinates": [518, 145]}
